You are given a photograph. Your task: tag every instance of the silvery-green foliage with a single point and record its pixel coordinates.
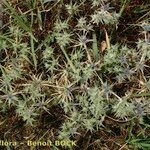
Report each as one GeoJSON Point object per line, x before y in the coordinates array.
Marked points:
{"type": "Point", "coordinates": [72, 8]}
{"type": "Point", "coordinates": [60, 26]}
{"type": "Point", "coordinates": [48, 53]}
{"type": "Point", "coordinates": [15, 31]}
{"type": "Point", "coordinates": [77, 57]}
{"type": "Point", "coordinates": [5, 82]}
{"type": "Point", "coordinates": [3, 44]}
{"type": "Point", "coordinates": [27, 113]}
{"type": "Point", "coordinates": [87, 72]}
{"type": "Point", "coordinates": [83, 26]}
{"type": "Point", "coordinates": [70, 77]}
{"type": "Point", "coordinates": [89, 123]}
{"type": "Point", "coordinates": [111, 62]}
{"type": "Point", "coordinates": [49, 60]}
{"type": "Point", "coordinates": [117, 59]}
{"type": "Point", "coordinates": [106, 90]}
{"type": "Point", "coordinates": [61, 33]}
{"type": "Point", "coordinates": [97, 2]}
{"type": "Point", "coordinates": [10, 97]}
{"type": "Point", "coordinates": [87, 113]}
{"type": "Point", "coordinates": [104, 16]}
{"type": "Point", "coordinates": [63, 39]}
{"type": "Point", "coordinates": [123, 109]}
{"type": "Point", "coordinates": [82, 41]}
{"type": "Point", "coordinates": [139, 109]}
{"type": "Point", "coordinates": [144, 48]}
{"type": "Point", "coordinates": [81, 22]}
{"type": "Point", "coordinates": [10, 74]}
{"type": "Point", "coordinates": [34, 87]}
{"type": "Point", "coordinates": [98, 103]}
{"type": "Point", "coordinates": [83, 73]}
{"type": "Point", "coordinates": [51, 65]}
{"type": "Point", "coordinates": [68, 129]}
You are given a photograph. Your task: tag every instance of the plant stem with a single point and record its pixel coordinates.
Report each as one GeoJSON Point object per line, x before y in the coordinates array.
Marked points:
{"type": "Point", "coordinates": [33, 52]}
{"type": "Point", "coordinates": [68, 59]}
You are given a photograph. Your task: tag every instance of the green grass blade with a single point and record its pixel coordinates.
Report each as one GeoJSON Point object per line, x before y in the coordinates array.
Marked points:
{"type": "Point", "coordinates": [95, 48]}
{"type": "Point", "coordinates": [19, 19]}
{"type": "Point", "coordinates": [140, 95]}
{"type": "Point", "coordinates": [33, 52]}
{"type": "Point", "coordinates": [68, 59]}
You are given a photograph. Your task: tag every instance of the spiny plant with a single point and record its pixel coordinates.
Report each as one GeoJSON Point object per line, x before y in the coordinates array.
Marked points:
{"type": "Point", "coordinates": [62, 53]}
